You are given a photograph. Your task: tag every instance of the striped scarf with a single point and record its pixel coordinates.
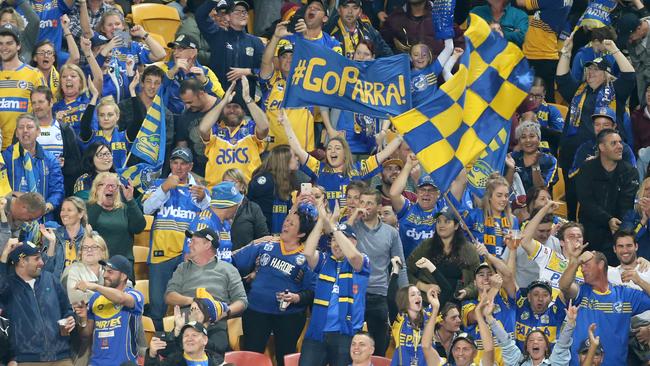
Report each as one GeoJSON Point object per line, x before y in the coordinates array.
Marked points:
{"type": "Point", "coordinates": [26, 182]}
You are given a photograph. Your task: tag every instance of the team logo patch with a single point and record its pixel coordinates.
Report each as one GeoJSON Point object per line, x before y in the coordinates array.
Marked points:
{"type": "Point", "coordinates": [261, 180]}
{"type": "Point", "coordinates": [544, 319]}
{"type": "Point", "coordinates": [250, 51]}
{"type": "Point", "coordinates": [300, 259]}
{"type": "Point", "coordinates": [268, 247]}
{"type": "Point", "coordinates": [525, 315]}
{"type": "Point", "coordinates": [265, 259]}
{"type": "Point", "coordinates": [22, 84]}
{"type": "Point", "coordinates": [617, 307]}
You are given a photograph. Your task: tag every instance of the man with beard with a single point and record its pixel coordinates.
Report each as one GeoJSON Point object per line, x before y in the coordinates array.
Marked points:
{"type": "Point", "coordinates": [390, 170]}
{"type": "Point", "coordinates": [34, 301]}
{"type": "Point", "coordinates": [113, 316]}
{"type": "Point", "coordinates": [237, 143]}
{"type": "Point", "coordinates": [536, 310]}
{"type": "Point", "coordinates": [606, 187]}
{"type": "Point", "coordinates": [186, 129]}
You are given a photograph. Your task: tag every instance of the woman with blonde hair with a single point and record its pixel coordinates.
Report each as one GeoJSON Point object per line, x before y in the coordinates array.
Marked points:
{"type": "Point", "coordinates": [65, 241]}
{"type": "Point", "coordinates": [108, 116]}
{"type": "Point", "coordinates": [491, 222]}
{"type": "Point", "coordinates": [249, 222]}
{"type": "Point", "coordinates": [92, 250]}
{"type": "Point", "coordinates": [116, 221]}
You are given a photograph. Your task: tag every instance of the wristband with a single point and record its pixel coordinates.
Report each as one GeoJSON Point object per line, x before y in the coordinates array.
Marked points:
{"type": "Point", "coordinates": [146, 35]}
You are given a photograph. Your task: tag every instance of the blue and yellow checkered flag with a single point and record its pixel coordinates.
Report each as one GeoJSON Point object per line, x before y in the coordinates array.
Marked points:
{"type": "Point", "coordinates": [470, 108]}
{"type": "Point", "coordinates": [493, 159]}
{"type": "Point", "coordinates": [149, 147]}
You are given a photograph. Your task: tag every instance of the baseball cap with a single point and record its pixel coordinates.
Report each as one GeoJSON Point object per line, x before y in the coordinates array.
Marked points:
{"type": "Point", "coordinates": [242, 3]}
{"type": "Point", "coordinates": [481, 266]}
{"type": "Point", "coordinates": [464, 336]}
{"type": "Point", "coordinates": [182, 153]}
{"type": "Point", "coordinates": [584, 347]}
{"type": "Point", "coordinates": [223, 5]}
{"type": "Point", "coordinates": [346, 230]}
{"type": "Point", "coordinates": [205, 233]}
{"type": "Point", "coordinates": [601, 63]}
{"type": "Point", "coordinates": [397, 162]}
{"type": "Point", "coordinates": [119, 263]}
{"type": "Point", "coordinates": [196, 326]}
{"type": "Point", "coordinates": [10, 30]}
{"type": "Point", "coordinates": [26, 249]}
{"type": "Point", "coordinates": [447, 213]}
{"type": "Point", "coordinates": [225, 195]}
{"type": "Point", "coordinates": [543, 284]}
{"type": "Point", "coordinates": [325, 8]}
{"type": "Point", "coordinates": [605, 112]}
{"type": "Point", "coordinates": [426, 180]}
{"type": "Point", "coordinates": [184, 41]}
{"type": "Point", "coordinates": [627, 23]}
{"type": "Point", "coordinates": [346, 2]}
{"type": "Point", "coordinates": [214, 308]}
{"type": "Point", "coordinates": [98, 39]}
{"type": "Point", "coordinates": [285, 48]}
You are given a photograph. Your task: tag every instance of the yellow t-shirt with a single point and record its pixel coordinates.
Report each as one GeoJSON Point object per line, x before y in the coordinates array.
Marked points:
{"type": "Point", "coordinates": [223, 155]}
{"type": "Point", "coordinates": [302, 119]}
{"type": "Point", "coordinates": [15, 91]}
{"type": "Point", "coordinates": [541, 41]}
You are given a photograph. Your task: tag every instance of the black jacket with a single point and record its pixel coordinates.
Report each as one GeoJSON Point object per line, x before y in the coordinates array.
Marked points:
{"type": "Point", "coordinates": [176, 359]}
{"type": "Point", "coordinates": [602, 196]}
{"type": "Point", "coordinates": [72, 164]}
{"type": "Point", "coordinates": [249, 224]}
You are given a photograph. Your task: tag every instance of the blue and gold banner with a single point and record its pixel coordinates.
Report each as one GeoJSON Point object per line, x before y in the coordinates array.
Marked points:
{"type": "Point", "coordinates": [493, 159]}
{"type": "Point", "coordinates": [471, 108]}
{"type": "Point", "coordinates": [322, 77]}
{"type": "Point", "coordinates": [149, 147]}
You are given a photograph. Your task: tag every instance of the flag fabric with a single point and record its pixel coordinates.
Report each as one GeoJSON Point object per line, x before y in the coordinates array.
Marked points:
{"type": "Point", "coordinates": [149, 147]}
{"type": "Point", "coordinates": [322, 77]}
{"type": "Point", "coordinates": [471, 108]}
{"type": "Point", "coordinates": [493, 159]}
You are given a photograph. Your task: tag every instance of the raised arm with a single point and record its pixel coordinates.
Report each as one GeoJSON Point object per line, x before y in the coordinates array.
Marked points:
{"type": "Point", "coordinates": [389, 149]}
{"type": "Point", "coordinates": [73, 50]}
{"type": "Point", "coordinates": [261, 122]}
{"type": "Point", "coordinates": [95, 70]}
{"type": "Point", "coordinates": [564, 64]}
{"type": "Point", "coordinates": [267, 67]}
{"type": "Point", "coordinates": [594, 342]}
{"type": "Point", "coordinates": [431, 356]}
{"type": "Point", "coordinates": [291, 137]}
{"type": "Point", "coordinates": [398, 186]}
{"type": "Point", "coordinates": [485, 308]}
{"type": "Point", "coordinates": [531, 227]}
{"type": "Point", "coordinates": [310, 252]}
{"type": "Point", "coordinates": [506, 274]}
{"type": "Point", "coordinates": [623, 63]}
{"type": "Point", "coordinates": [210, 118]}
{"type": "Point", "coordinates": [84, 20]}
{"type": "Point", "coordinates": [567, 281]}
{"type": "Point", "coordinates": [85, 126]}
{"type": "Point", "coordinates": [113, 295]}
{"type": "Point", "coordinates": [447, 66]}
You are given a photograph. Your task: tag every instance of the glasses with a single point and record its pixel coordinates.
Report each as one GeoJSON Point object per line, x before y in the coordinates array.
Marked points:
{"type": "Point", "coordinates": [240, 12]}
{"type": "Point", "coordinates": [88, 248]}
{"type": "Point", "coordinates": [114, 186]}
{"type": "Point", "coordinates": [104, 155]}
{"type": "Point", "coordinates": [45, 53]}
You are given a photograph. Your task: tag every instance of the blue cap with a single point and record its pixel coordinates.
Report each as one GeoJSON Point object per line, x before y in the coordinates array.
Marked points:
{"type": "Point", "coordinates": [426, 180]}
{"type": "Point", "coordinates": [120, 263]}
{"type": "Point", "coordinates": [225, 194]}
{"type": "Point", "coordinates": [26, 249]}
{"type": "Point", "coordinates": [98, 39]}
{"type": "Point", "coordinates": [604, 112]}
{"type": "Point", "coordinates": [346, 230]}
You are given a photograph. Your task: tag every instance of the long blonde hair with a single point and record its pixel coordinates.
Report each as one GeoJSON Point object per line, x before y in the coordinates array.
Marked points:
{"type": "Point", "coordinates": [494, 181]}
{"type": "Point", "coordinates": [239, 177]}
{"type": "Point", "coordinates": [639, 195]}
{"type": "Point", "coordinates": [348, 165]}
{"type": "Point", "coordinates": [100, 179]}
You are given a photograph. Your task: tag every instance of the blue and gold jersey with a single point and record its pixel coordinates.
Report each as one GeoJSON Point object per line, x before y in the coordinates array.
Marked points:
{"type": "Point", "coordinates": [116, 329]}
{"type": "Point", "coordinates": [277, 269]}
{"type": "Point", "coordinates": [612, 311]}
{"type": "Point", "coordinates": [50, 12]}
{"type": "Point", "coordinates": [545, 25]}
{"type": "Point", "coordinates": [548, 322]}
{"type": "Point", "coordinates": [408, 340]}
{"type": "Point", "coordinates": [490, 230]}
{"type": "Point", "coordinates": [550, 117]}
{"type": "Point", "coordinates": [416, 224]}
{"type": "Point", "coordinates": [207, 218]}
{"type": "Point", "coordinates": [15, 91]}
{"type": "Point", "coordinates": [505, 309]}
{"type": "Point", "coordinates": [425, 82]}
{"type": "Point", "coordinates": [72, 111]}
{"type": "Point", "coordinates": [335, 183]}
{"type": "Point", "coordinates": [170, 222]}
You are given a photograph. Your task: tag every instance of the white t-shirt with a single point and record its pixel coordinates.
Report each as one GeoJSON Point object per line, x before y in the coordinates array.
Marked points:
{"type": "Point", "coordinates": [51, 139]}
{"type": "Point", "coordinates": [614, 275]}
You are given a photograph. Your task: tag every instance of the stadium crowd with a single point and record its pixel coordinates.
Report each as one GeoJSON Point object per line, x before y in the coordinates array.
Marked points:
{"type": "Point", "coordinates": [314, 226]}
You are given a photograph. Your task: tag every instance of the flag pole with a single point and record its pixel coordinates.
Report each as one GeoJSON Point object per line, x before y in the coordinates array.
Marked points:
{"type": "Point", "coordinates": [463, 225]}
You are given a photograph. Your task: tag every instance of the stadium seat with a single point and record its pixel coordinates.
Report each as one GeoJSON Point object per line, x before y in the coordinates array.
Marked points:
{"type": "Point", "coordinates": [235, 332]}
{"type": "Point", "coordinates": [149, 328]}
{"type": "Point", "coordinates": [562, 108]}
{"type": "Point", "coordinates": [168, 323]}
{"type": "Point", "coordinates": [292, 359]}
{"type": "Point", "coordinates": [244, 358]}
{"type": "Point", "coordinates": [142, 239]}
{"type": "Point", "coordinates": [143, 286]}
{"type": "Point", "coordinates": [140, 267]}
{"type": "Point", "coordinates": [380, 361]}
{"type": "Point", "coordinates": [157, 18]}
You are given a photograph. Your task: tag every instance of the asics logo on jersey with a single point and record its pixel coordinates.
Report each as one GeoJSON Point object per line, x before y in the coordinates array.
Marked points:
{"type": "Point", "coordinates": [9, 104]}
{"type": "Point", "coordinates": [230, 156]}
{"type": "Point", "coordinates": [177, 213]}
